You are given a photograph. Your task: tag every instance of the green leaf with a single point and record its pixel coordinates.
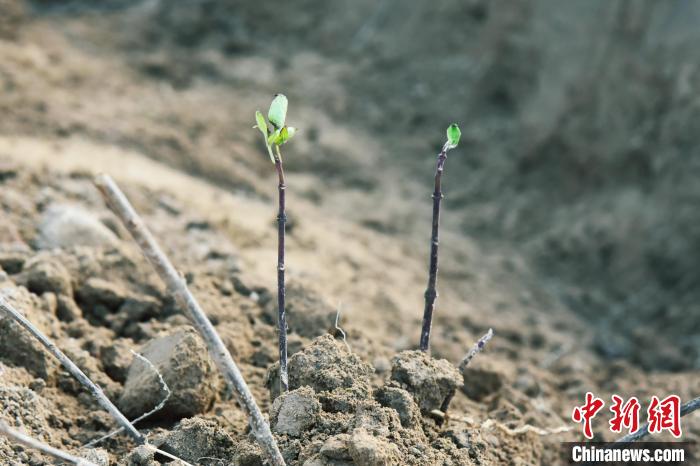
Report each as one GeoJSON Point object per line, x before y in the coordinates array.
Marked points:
{"type": "Point", "coordinates": [262, 126]}
{"type": "Point", "coordinates": [274, 137]}
{"type": "Point", "coordinates": [261, 123]}
{"type": "Point", "coordinates": [453, 135]}
{"type": "Point", "coordinates": [286, 134]}
{"type": "Point", "coordinates": [278, 111]}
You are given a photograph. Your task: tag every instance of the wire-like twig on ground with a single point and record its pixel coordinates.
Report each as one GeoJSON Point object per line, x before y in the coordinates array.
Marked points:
{"type": "Point", "coordinates": [340, 330]}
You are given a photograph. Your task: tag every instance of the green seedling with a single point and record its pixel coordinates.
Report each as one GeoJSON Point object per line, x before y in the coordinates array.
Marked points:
{"type": "Point", "coordinates": [431, 294]}
{"type": "Point", "coordinates": [276, 134]}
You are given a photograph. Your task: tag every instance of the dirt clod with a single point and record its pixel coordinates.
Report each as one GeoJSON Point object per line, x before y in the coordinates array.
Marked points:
{"type": "Point", "coordinates": [432, 382]}
{"type": "Point", "coordinates": [13, 257]}
{"type": "Point", "coordinates": [196, 438]}
{"type": "Point", "coordinates": [17, 346]}
{"type": "Point", "coordinates": [339, 424]}
{"type": "Point", "coordinates": [141, 456]}
{"type": "Point", "coordinates": [294, 412]}
{"type": "Point", "coordinates": [116, 359]}
{"type": "Point", "coordinates": [65, 226]}
{"type": "Point", "coordinates": [98, 292]}
{"type": "Point", "coordinates": [371, 451]}
{"type": "Point", "coordinates": [325, 365]}
{"type": "Point", "coordinates": [42, 274]}
{"type": "Point", "coordinates": [337, 447]}
{"type": "Point", "coordinates": [182, 359]}
{"type": "Point", "coordinates": [66, 309]}
{"type": "Point", "coordinates": [400, 400]}
{"type": "Point", "coordinates": [98, 456]}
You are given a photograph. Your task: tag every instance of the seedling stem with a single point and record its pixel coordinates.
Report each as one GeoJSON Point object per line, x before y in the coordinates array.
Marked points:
{"type": "Point", "coordinates": [431, 294]}
{"type": "Point", "coordinates": [282, 314]}
{"type": "Point", "coordinates": [276, 133]}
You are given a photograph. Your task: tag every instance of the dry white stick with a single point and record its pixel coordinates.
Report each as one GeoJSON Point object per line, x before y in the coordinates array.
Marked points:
{"type": "Point", "coordinates": [30, 442]}
{"type": "Point", "coordinates": [70, 366]}
{"type": "Point", "coordinates": [121, 207]}
{"type": "Point", "coordinates": [169, 455]}
{"type": "Point", "coordinates": [476, 349]}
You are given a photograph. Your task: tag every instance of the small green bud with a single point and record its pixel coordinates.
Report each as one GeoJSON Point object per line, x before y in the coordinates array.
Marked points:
{"type": "Point", "coordinates": [453, 135]}
{"type": "Point", "coordinates": [278, 111]}
{"type": "Point", "coordinates": [291, 131]}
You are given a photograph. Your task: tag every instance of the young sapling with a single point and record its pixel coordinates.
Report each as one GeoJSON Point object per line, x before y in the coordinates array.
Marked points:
{"type": "Point", "coordinates": [276, 134]}
{"type": "Point", "coordinates": [431, 294]}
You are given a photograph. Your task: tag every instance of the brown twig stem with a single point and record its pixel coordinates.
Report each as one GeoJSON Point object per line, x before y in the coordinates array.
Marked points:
{"type": "Point", "coordinates": [431, 293]}
{"type": "Point", "coordinates": [281, 310]}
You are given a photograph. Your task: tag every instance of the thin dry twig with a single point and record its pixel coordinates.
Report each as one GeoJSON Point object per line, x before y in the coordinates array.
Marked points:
{"type": "Point", "coordinates": [524, 429]}
{"type": "Point", "coordinates": [476, 349]}
{"type": "Point", "coordinates": [643, 431]}
{"type": "Point", "coordinates": [70, 366]}
{"type": "Point", "coordinates": [35, 444]}
{"type": "Point", "coordinates": [490, 424]}
{"type": "Point", "coordinates": [159, 406]}
{"type": "Point", "coordinates": [121, 207]}
{"type": "Point", "coordinates": [337, 328]}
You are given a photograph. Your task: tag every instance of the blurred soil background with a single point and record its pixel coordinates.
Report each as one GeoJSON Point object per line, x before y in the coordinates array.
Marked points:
{"type": "Point", "coordinates": [570, 224]}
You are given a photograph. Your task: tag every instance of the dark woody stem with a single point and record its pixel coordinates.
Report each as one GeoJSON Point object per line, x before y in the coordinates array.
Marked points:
{"type": "Point", "coordinates": [431, 293]}
{"type": "Point", "coordinates": [281, 312]}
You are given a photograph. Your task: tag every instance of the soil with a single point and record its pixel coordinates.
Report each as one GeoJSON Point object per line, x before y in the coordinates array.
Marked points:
{"type": "Point", "coordinates": [570, 224]}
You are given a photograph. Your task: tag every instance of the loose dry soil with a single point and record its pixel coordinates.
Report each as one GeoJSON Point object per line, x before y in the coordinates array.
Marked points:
{"type": "Point", "coordinates": [570, 224]}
